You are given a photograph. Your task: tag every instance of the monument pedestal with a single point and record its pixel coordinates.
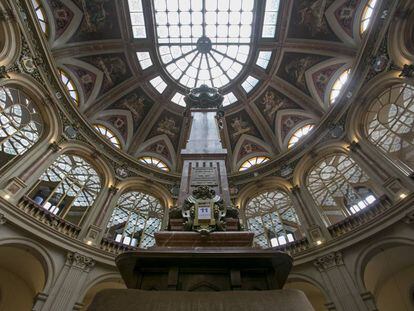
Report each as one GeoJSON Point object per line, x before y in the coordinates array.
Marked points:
{"type": "Point", "coordinates": [139, 300]}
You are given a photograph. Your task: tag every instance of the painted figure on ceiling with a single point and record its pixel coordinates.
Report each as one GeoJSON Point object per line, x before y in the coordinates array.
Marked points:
{"type": "Point", "coordinates": [239, 126]}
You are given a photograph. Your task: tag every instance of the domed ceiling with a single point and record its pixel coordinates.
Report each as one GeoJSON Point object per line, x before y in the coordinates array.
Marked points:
{"type": "Point", "coordinates": [276, 62]}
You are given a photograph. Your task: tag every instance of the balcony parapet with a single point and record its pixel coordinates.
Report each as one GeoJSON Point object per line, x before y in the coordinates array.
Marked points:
{"type": "Point", "coordinates": [114, 247]}
{"type": "Point", "coordinates": [360, 218]}
{"type": "Point", "coordinates": [31, 208]}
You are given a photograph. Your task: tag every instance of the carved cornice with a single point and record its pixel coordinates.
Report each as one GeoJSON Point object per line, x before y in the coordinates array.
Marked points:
{"type": "Point", "coordinates": [329, 261]}
{"type": "Point", "coordinates": [80, 261]}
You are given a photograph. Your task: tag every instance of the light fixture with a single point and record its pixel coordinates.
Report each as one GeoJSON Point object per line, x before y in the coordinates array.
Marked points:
{"type": "Point", "coordinates": [7, 196]}
{"type": "Point", "coordinates": [89, 242]}
{"type": "Point", "coordinates": [403, 195]}
{"type": "Point", "coordinates": [318, 242]}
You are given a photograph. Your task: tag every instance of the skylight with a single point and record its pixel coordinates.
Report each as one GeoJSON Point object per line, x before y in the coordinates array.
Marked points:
{"type": "Point", "coordinates": [270, 19]}
{"type": "Point", "coordinates": [249, 84]}
{"type": "Point", "coordinates": [229, 98]}
{"type": "Point", "coordinates": [144, 60]}
{"type": "Point", "coordinates": [137, 19]}
{"type": "Point", "coordinates": [263, 59]}
{"type": "Point", "coordinates": [178, 99]}
{"type": "Point", "coordinates": [159, 84]}
{"type": "Point", "coordinates": [204, 42]}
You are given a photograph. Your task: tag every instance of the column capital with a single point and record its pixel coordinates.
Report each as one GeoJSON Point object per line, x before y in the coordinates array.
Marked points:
{"type": "Point", "coordinates": [328, 261]}
{"type": "Point", "coordinates": [54, 146]}
{"type": "Point", "coordinates": [354, 146]}
{"type": "Point", "coordinates": [80, 261]}
{"type": "Point", "coordinates": [295, 189]}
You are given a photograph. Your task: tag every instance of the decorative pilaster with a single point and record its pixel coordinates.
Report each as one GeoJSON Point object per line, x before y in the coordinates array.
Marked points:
{"type": "Point", "coordinates": [338, 281]}
{"type": "Point", "coordinates": [67, 289]}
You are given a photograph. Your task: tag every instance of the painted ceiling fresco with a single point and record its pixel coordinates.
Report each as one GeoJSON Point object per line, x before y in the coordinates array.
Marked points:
{"type": "Point", "coordinates": [314, 42]}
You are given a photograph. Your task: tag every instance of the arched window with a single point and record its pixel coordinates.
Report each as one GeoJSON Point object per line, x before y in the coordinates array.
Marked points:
{"type": "Point", "coordinates": [154, 162]}
{"type": "Point", "coordinates": [389, 123]}
{"type": "Point", "coordinates": [108, 134]}
{"type": "Point", "coordinates": [366, 15]}
{"type": "Point", "coordinates": [252, 162]}
{"type": "Point", "coordinates": [41, 15]}
{"type": "Point", "coordinates": [272, 218]}
{"type": "Point", "coordinates": [339, 187]}
{"type": "Point", "coordinates": [299, 134]}
{"type": "Point", "coordinates": [68, 188]}
{"type": "Point", "coordinates": [135, 219]}
{"type": "Point", "coordinates": [338, 86]}
{"type": "Point", "coordinates": [20, 124]}
{"type": "Point", "coordinates": [69, 86]}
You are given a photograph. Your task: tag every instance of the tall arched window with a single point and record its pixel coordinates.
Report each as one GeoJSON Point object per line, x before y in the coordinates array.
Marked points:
{"type": "Point", "coordinates": [135, 219]}
{"type": "Point", "coordinates": [339, 187]}
{"type": "Point", "coordinates": [389, 123]}
{"type": "Point", "coordinates": [272, 218]}
{"type": "Point", "coordinates": [68, 188]}
{"type": "Point", "coordinates": [154, 162]}
{"type": "Point", "coordinates": [20, 124]}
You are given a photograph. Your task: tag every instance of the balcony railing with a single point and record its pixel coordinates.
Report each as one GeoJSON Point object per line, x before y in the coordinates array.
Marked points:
{"type": "Point", "coordinates": [31, 208]}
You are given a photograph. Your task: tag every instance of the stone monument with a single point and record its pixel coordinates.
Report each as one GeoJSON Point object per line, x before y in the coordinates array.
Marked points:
{"type": "Point", "coordinates": [204, 261]}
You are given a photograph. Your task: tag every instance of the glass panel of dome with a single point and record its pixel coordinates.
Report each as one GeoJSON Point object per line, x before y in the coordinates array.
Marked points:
{"type": "Point", "coordinates": [41, 15]}
{"type": "Point", "coordinates": [137, 19]}
{"type": "Point", "coordinates": [338, 85]}
{"type": "Point", "coordinates": [69, 86]}
{"type": "Point", "coordinates": [252, 162]}
{"type": "Point", "coordinates": [108, 134]}
{"type": "Point", "coordinates": [263, 59]}
{"type": "Point", "coordinates": [270, 19]}
{"type": "Point", "coordinates": [154, 162]}
{"type": "Point", "coordinates": [204, 42]}
{"type": "Point", "coordinates": [229, 98]}
{"type": "Point", "coordinates": [249, 84]}
{"type": "Point", "coordinates": [178, 99]}
{"type": "Point", "coordinates": [159, 84]}
{"type": "Point", "coordinates": [299, 134]}
{"type": "Point", "coordinates": [144, 59]}
{"type": "Point", "coordinates": [366, 15]}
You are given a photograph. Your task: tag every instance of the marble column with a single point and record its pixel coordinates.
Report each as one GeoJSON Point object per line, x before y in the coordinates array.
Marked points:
{"type": "Point", "coordinates": [94, 225]}
{"type": "Point", "coordinates": [386, 183]}
{"type": "Point", "coordinates": [69, 284]}
{"type": "Point", "coordinates": [313, 222]}
{"type": "Point", "coordinates": [339, 283]}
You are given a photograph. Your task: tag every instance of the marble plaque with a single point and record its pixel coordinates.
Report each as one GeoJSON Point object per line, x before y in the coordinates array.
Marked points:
{"type": "Point", "coordinates": [204, 176]}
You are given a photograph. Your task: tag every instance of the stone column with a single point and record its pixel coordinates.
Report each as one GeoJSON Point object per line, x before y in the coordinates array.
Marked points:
{"type": "Point", "coordinates": [69, 284]}
{"type": "Point", "coordinates": [96, 223]}
{"type": "Point", "coordinates": [314, 225]}
{"type": "Point", "coordinates": [387, 183]}
{"type": "Point", "coordinates": [338, 281]}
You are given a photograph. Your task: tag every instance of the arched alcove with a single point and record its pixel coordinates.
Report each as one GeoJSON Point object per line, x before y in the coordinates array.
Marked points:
{"type": "Point", "coordinates": [22, 277]}
{"type": "Point", "coordinates": [389, 276]}
{"type": "Point", "coordinates": [112, 283]}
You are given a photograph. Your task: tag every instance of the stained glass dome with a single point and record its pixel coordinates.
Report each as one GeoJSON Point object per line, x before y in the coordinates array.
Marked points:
{"type": "Point", "coordinates": [204, 42]}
